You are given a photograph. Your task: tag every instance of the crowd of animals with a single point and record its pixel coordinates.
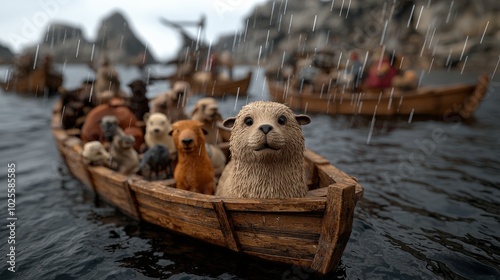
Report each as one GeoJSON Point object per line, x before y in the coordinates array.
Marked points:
{"type": "Point", "coordinates": [158, 140]}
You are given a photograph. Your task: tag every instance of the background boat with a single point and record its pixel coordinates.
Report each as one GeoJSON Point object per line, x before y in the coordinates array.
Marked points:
{"type": "Point", "coordinates": [438, 101]}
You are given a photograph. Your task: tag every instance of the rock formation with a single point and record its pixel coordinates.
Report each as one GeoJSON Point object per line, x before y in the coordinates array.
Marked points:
{"type": "Point", "coordinates": [441, 33]}
{"type": "Point", "coordinates": [115, 39]}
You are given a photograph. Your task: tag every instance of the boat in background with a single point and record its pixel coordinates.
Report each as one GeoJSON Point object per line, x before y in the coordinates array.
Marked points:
{"type": "Point", "coordinates": [312, 231]}
{"type": "Point", "coordinates": [437, 101]}
{"type": "Point", "coordinates": [39, 81]}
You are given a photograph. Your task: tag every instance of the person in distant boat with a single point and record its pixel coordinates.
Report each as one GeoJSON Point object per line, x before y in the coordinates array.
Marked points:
{"type": "Point", "coordinates": [406, 80]}
{"type": "Point", "coordinates": [356, 70]}
{"type": "Point", "coordinates": [380, 72]}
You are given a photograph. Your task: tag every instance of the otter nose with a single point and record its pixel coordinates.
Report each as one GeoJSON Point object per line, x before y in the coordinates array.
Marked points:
{"type": "Point", "coordinates": [265, 128]}
{"type": "Point", "coordinates": [156, 130]}
{"type": "Point", "coordinates": [187, 141]}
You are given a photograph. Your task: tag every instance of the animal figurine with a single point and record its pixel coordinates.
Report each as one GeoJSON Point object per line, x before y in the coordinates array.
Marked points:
{"type": "Point", "coordinates": [94, 153]}
{"type": "Point", "coordinates": [158, 127]}
{"type": "Point", "coordinates": [267, 153]}
{"type": "Point", "coordinates": [217, 157]}
{"type": "Point", "coordinates": [194, 171]}
{"type": "Point", "coordinates": [125, 159]}
{"type": "Point", "coordinates": [91, 130]}
{"type": "Point", "coordinates": [206, 111]}
{"type": "Point", "coordinates": [110, 128]}
{"type": "Point", "coordinates": [172, 103]}
{"type": "Point", "coordinates": [156, 162]}
{"type": "Point", "coordinates": [138, 102]}
{"type": "Point", "coordinates": [107, 79]}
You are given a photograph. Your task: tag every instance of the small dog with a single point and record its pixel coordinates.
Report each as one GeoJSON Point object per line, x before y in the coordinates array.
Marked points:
{"type": "Point", "coordinates": [194, 171]}
{"type": "Point", "coordinates": [110, 127]}
{"type": "Point", "coordinates": [138, 103]}
{"type": "Point", "coordinates": [206, 111]}
{"type": "Point", "coordinates": [156, 160]}
{"type": "Point", "coordinates": [172, 103]}
{"type": "Point", "coordinates": [94, 153]}
{"type": "Point", "coordinates": [125, 159]}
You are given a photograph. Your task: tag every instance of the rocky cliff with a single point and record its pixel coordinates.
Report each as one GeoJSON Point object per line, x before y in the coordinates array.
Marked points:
{"type": "Point", "coordinates": [114, 39]}
{"type": "Point", "coordinates": [426, 33]}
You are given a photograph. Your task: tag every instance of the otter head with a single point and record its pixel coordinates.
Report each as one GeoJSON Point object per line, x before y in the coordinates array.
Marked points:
{"type": "Point", "coordinates": [266, 131]}
{"type": "Point", "coordinates": [179, 90]}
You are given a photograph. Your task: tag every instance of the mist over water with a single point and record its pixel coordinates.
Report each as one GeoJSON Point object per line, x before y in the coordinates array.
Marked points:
{"type": "Point", "coordinates": [430, 209]}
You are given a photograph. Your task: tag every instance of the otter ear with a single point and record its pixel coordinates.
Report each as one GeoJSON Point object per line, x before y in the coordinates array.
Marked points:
{"type": "Point", "coordinates": [229, 122]}
{"type": "Point", "coordinates": [303, 119]}
{"type": "Point", "coordinates": [204, 131]}
{"type": "Point", "coordinates": [146, 117]}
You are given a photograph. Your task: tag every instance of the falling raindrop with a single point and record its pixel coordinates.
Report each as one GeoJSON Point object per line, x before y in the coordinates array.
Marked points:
{"type": "Point", "coordinates": [494, 71]}
{"type": "Point", "coordinates": [342, 7]}
{"type": "Point", "coordinates": [77, 48]}
{"type": "Point", "coordinates": [290, 25]}
{"type": "Point", "coordinates": [372, 125]}
{"type": "Point", "coordinates": [260, 53]}
{"type": "Point", "coordinates": [92, 53]}
{"type": "Point", "coordinates": [449, 12]}
{"type": "Point", "coordinates": [272, 12]}
{"type": "Point", "coordinates": [484, 32]}
{"type": "Point", "coordinates": [237, 96]}
{"type": "Point", "coordinates": [430, 66]}
{"type": "Point", "coordinates": [463, 66]}
{"type": "Point", "coordinates": [383, 33]}
{"type": "Point", "coordinates": [331, 7]}
{"type": "Point", "coordinates": [348, 9]}
{"type": "Point", "coordinates": [411, 116]}
{"type": "Point", "coordinates": [145, 52]}
{"type": "Point", "coordinates": [36, 56]}
{"type": "Point", "coordinates": [432, 37]}
{"type": "Point", "coordinates": [419, 15]}
{"type": "Point", "coordinates": [284, 9]}
{"type": "Point", "coordinates": [314, 23]}
{"type": "Point", "coordinates": [411, 15]}
{"type": "Point", "coordinates": [463, 50]}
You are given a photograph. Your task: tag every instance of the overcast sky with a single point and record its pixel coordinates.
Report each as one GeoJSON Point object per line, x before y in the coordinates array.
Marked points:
{"type": "Point", "coordinates": [23, 22]}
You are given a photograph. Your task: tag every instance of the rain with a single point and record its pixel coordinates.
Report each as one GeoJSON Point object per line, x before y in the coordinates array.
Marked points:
{"type": "Point", "coordinates": [401, 96]}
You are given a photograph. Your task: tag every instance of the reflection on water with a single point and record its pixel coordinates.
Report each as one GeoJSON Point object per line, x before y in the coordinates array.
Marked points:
{"type": "Point", "coordinates": [430, 210]}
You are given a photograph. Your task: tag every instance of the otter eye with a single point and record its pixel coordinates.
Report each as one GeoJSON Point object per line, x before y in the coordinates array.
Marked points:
{"type": "Point", "coordinates": [282, 120]}
{"type": "Point", "coordinates": [248, 121]}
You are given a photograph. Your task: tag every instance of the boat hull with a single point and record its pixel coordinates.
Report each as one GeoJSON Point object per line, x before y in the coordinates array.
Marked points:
{"type": "Point", "coordinates": [310, 232]}
{"type": "Point", "coordinates": [439, 102]}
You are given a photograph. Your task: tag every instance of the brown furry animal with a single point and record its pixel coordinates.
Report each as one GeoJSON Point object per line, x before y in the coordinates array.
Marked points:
{"type": "Point", "coordinates": [125, 158]}
{"type": "Point", "coordinates": [106, 78]}
{"type": "Point", "coordinates": [194, 171]}
{"type": "Point", "coordinates": [91, 130]}
{"type": "Point", "coordinates": [138, 102]}
{"type": "Point", "coordinates": [172, 103]}
{"type": "Point", "coordinates": [267, 153]}
{"type": "Point", "coordinates": [206, 111]}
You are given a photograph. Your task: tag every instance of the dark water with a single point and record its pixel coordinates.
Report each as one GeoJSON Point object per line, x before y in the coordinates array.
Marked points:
{"type": "Point", "coordinates": [430, 210]}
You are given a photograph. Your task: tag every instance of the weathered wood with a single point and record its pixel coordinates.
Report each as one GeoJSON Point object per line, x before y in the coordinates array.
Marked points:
{"type": "Point", "coordinates": [336, 228]}
{"type": "Point", "coordinates": [431, 101]}
{"type": "Point", "coordinates": [226, 226]}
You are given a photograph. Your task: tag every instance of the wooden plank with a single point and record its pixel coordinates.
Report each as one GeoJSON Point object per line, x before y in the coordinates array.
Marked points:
{"type": "Point", "coordinates": [305, 204]}
{"type": "Point", "coordinates": [203, 216]}
{"type": "Point", "coordinates": [226, 226]}
{"type": "Point", "coordinates": [197, 231]}
{"type": "Point", "coordinates": [300, 225]}
{"type": "Point", "coordinates": [277, 245]}
{"type": "Point", "coordinates": [336, 228]}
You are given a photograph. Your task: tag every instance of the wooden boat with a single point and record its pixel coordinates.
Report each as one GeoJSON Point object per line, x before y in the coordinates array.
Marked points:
{"type": "Point", "coordinates": [312, 231]}
{"type": "Point", "coordinates": [439, 101]}
{"type": "Point", "coordinates": [215, 88]}
{"type": "Point", "coordinates": [38, 81]}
